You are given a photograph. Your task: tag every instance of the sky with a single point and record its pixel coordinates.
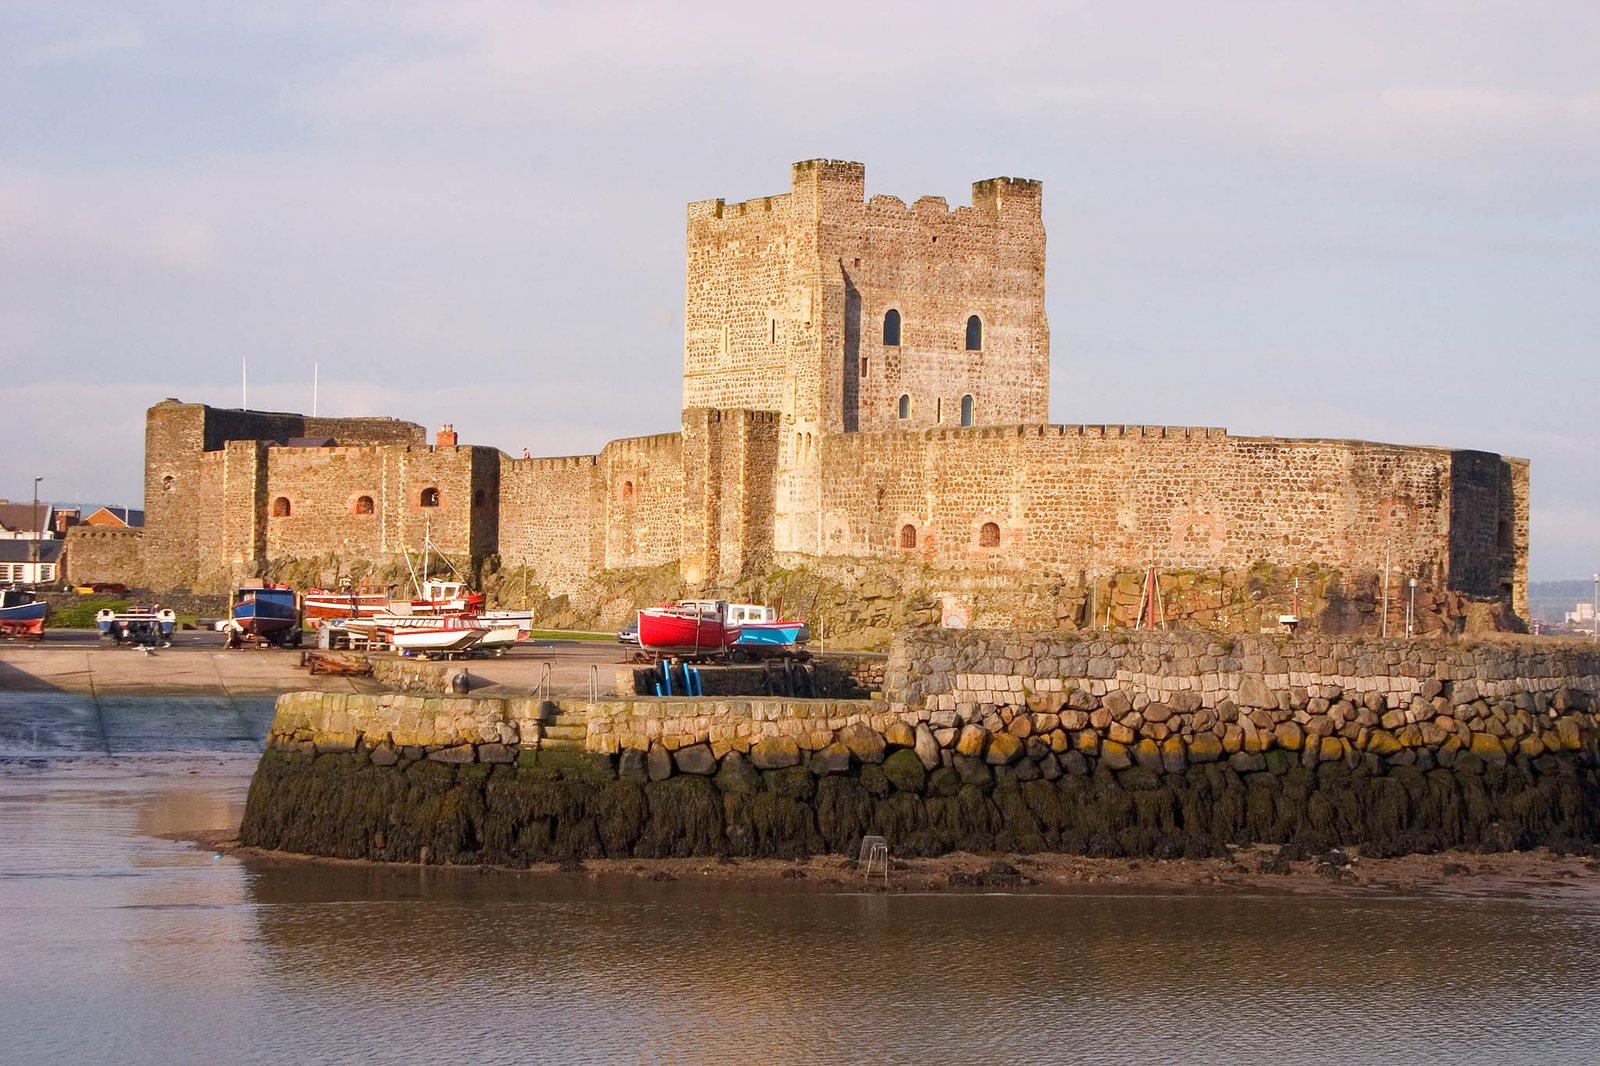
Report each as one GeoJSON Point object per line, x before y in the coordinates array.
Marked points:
{"type": "Point", "coordinates": [1368, 220]}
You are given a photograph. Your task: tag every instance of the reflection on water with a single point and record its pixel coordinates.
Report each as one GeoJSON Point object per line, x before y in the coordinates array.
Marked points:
{"type": "Point", "coordinates": [122, 945]}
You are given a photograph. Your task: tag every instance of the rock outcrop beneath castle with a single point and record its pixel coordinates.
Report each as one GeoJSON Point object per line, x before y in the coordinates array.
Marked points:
{"type": "Point", "coordinates": [1159, 745]}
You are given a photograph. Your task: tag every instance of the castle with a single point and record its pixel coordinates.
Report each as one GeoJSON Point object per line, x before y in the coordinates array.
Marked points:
{"type": "Point", "coordinates": [864, 383]}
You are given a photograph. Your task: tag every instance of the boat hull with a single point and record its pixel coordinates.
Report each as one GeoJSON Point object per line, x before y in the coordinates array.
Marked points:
{"type": "Point", "coordinates": [264, 617]}
{"type": "Point", "coordinates": [668, 632]}
{"type": "Point", "coordinates": [25, 619]}
{"type": "Point", "coordinates": [437, 640]}
{"type": "Point", "coordinates": [322, 604]}
{"type": "Point", "coordinates": [773, 636]}
{"type": "Point", "coordinates": [269, 614]}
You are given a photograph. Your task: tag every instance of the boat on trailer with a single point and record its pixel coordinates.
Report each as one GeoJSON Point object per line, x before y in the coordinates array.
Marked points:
{"type": "Point", "coordinates": [690, 629]}
{"type": "Point", "coordinates": [22, 614]}
{"type": "Point", "coordinates": [142, 626]}
{"type": "Point", "coordinates": [445, 640]}
{"type": "Point", "coordinates": [265, 613]}
{"type": "Point", "coordinates": [323, 605]}
{"type": "Point", "coordinates": [764, 633]}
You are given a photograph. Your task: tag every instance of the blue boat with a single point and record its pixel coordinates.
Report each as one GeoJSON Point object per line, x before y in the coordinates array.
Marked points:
{"type": "Point", "coordinates": [22, 614]}
{"type": "Point", "coordinates": [142, 626]}
{"type": "Point", "coordinates": [764, 632]}
{"type": "Point", "coordinates": [264, 613]}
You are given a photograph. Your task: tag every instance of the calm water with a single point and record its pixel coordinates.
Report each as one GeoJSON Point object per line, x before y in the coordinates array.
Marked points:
{"type": "Point", "coordinates": [119, 945]}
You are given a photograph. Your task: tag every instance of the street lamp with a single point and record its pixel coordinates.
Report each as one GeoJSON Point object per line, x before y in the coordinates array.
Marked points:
{"type": "Point", "coordinates": [1594, 613]}
{"type": "Point", "coordinates": [1411, 608]}
{"type": "Point", "coordinates": [34, 551]}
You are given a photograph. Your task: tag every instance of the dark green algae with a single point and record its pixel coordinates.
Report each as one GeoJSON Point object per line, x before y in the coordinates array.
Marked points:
{"type": "Point", "coordinates": [552, 806]}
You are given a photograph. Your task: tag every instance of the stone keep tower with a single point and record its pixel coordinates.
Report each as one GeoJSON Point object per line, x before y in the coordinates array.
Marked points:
{"type": "Point", "coordinates": [844, 315]}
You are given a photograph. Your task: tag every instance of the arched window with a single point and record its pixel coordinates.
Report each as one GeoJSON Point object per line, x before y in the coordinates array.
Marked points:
{"type": "Point", "coordinates": [908, 536]}
{"type": "Point", "coordinates": [167, 482]}
{"type": "Point", "coordinates": [988, 535]}
{"type": "Point", "coordinates": [430, 497]}
{"type": "Point", "coordinates": [891, 328]}
{"type": "Point", "coordinates": [905, 406]}
{"type": "Point", "coordinates": [627, 492]}
{"type": "Point", "coordinates": [974, 334]}
{"type": "Point", "coordinates": [966, 410]}
{"type": "Point", "coordinates": [363, 505]}
{"type": "Point", "coordinates": [280, 507]}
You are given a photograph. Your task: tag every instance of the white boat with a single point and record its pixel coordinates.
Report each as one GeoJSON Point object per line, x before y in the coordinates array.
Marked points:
{"type": "Point", "coordinates": [438, 641]}
{"type": "Point", "coordinates": [498, 638]}
{"type": "Point", "coordinates": [523, 620]}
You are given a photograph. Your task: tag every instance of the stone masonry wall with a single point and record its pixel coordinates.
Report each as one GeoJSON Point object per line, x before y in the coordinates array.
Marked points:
{"type": "Point", "coordinates": [552, 518]}
{"type": "Point", "coordinates": [195, 532]}
{"type": "Point", "coordinates": [112, 555]}
{"type": "Point", "coordinates": [785, 304]}
{"type": "Point", "coordinates": [1070, 499]}
{"type": "Point", "coordinates": [1166, 746]}
{"type": "Point", "coordinates": [643, 496]}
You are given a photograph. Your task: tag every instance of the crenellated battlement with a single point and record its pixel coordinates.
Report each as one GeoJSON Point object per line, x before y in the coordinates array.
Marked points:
{"type": "Point", "coordinates": [548, 462]}
{"type": "Point", "coordinates": [630, 447]}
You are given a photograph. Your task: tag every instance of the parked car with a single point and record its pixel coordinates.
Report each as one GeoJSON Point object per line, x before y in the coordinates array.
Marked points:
{"type": "Point", "coordinates": [629, 633]}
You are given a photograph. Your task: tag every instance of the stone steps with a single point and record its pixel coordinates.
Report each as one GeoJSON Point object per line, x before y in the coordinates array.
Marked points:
{"type": "Point", "coordinates": [564, 732]}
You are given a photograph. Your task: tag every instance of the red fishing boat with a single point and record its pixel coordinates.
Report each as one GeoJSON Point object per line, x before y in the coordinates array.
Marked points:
{"type": "Point", "coordinates": [691, 628]}
{"type": "Point", "coordinates": [347, 602]}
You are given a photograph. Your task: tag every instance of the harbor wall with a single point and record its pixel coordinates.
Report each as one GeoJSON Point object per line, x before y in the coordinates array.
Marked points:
{"type": "Point", "coordinates": [1149, 745]}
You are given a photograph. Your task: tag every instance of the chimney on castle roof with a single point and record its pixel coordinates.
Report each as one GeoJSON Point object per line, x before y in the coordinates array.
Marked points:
{"type": "Point", "coordinates": [447, 436]}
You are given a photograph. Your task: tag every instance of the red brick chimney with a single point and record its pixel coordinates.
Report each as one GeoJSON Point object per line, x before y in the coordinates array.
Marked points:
{"type": "Point", "coordinates": [447, 436]}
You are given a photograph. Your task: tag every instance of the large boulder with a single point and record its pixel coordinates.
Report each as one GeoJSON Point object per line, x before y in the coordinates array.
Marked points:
{"type": "Point", "coordinates": [695, 759]}
{"type": "Point", "coordinates": [905, 771]}
{"type": "Point", "coordinates": [1253, 692]}
{"type": "Point", "coordinates": [737, 775]}
{"type": "Point", "coordinates": [1004, 749]}
{"type": "Point", "coordinates": [658, 763]}
{"type": "Point", "coordinates": [972, 741]}
{"type": "Point", "coordinates": [775, 753]}
{"type": "Point", "coordinates": [864, 743]}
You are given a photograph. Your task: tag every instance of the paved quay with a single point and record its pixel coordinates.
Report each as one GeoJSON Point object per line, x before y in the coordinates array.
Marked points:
{"type": "Point", "coordinates": [70, 693]}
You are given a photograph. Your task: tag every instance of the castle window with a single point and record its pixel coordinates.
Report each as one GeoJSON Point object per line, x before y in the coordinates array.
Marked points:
{"type": "Point", "coordinates": [908, 536]}
{"type": "Point", "coordinates": [905, 406]}
{"type": "Point", "coordinates": [891, 328]}
{"type": "Point", "coordinates": [989, 535]}
{"type": "Point", "coordinates": [363, 505]}
{"type": "Point", "coordinates": [966, 410]}
{"type": "Point", "coordinates": [280, 507]}
{"type": "Point", "coordinates": [479, 497]}
{"type": "Point", "coordinates": [626, 494]}
{"type": "Point", "coordinates": [429, 498]}
{"type": "Point", "coordinates": [863, 366]}
{"type": "Point", "coordinates": [974, 334]}
{"type": "Point", "coordinates": [166, 483]}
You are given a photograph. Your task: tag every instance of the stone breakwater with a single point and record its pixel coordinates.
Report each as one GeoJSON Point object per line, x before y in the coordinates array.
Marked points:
{"type": "Point", "coordinates": [1130, 745]}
